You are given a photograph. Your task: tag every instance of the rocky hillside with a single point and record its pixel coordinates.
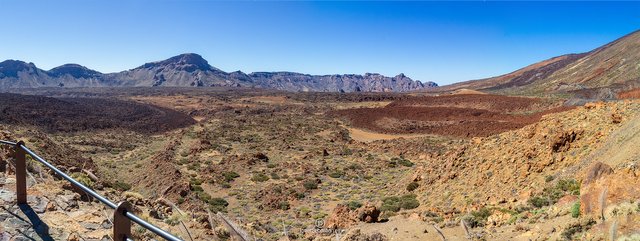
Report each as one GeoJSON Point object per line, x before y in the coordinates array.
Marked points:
{"type": "Point", "coordinates": [191, 70]}
{"type": "Point", "coordinates": [599, 73]}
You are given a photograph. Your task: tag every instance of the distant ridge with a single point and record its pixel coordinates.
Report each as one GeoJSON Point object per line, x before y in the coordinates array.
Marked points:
{"type": "Point", "coordinates": [191, 70]}
{"type": "Point", "coordinates": [600, 73]}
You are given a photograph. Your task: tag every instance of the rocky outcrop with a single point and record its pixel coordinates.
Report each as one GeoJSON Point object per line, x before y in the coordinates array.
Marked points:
{"type": "Point", "coordinates": [337, 83]}
{"type": "Point", "coordinates": [191, 70]}
{"type": "Point", "coordinates": [343, 217]}
{"type": "Point", "coordinates": [604, 188]}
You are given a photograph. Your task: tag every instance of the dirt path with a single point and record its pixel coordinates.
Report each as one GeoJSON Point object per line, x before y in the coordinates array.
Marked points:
{"type": "Point", "coordinates": [367, 136]}
{"type": "Point", "coordinates": [400, 228]}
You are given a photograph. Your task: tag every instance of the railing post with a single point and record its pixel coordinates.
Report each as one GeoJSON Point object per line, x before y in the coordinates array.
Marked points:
{"type": "Point", "coordinates": [121, 224]}
{"type": "Point", "coordinates": [21, 173]}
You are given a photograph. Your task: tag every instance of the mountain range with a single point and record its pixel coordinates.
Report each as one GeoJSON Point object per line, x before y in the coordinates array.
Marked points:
{"type": "Point", "coordinates": [191, 70]}
{"type": "Point", "coordinates": [599, 73]}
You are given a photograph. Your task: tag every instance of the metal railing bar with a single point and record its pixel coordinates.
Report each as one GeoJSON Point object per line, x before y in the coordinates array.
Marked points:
{"type": "Point", "coordinates": [97, 196]}
{"type": "Point", "coordinates": [70, 179]}
{"type": "Point", "coordinates": [151, 227]}
{"type": "Point", "coordinates": [7, 143]}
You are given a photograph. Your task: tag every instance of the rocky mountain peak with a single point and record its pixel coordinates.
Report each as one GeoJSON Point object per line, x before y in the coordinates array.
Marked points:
{"type": "Point", "coordinates": [75, 70]}
{"type": "Point", "coordinates": [10, 68]}
{"type": "Point", "coordinates": [188, 62]}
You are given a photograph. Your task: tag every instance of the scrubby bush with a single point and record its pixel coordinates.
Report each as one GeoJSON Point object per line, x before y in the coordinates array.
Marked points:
{"type": "Point", "coordinates": [405, 162]}
{"type": "Point", "coordinates": [230, 176]}
{"type": "Point", "coordinates": [394, 204]}
{"type": "Point", "coordinates": [83, 178]}
{"type": "Point", "coordinates": [353, 205]}
{"type": "Point", "coordinates": [570, 186]}
{"type": "Point", "coordinates": [284, 205]}
{"type": "Point", "coordinates": [551, 194]}
{"type": "Point", "coordinates": [400, 161]}
{"type": "Point", "coordinates": [336, 174]}
{"type": "Point", "coordinates": [260, 177]}
{"type": "Point", "coordinates": [218, 205]}
{"type": "Point", "coordinates": [354, 166]}
{"type": "Point", "coordinates": [412, 186]}
{"type": "Point", "coordinates": [195, 181]}
{"type": "Point", "coordinates": [309, 185]}
{"type": "Point", "coordinates": [196, 188]}
{"type": "Point", "coordinates": [477, 218]}
{"type": "Point", "coordinates": [173, 220]}
{"type": "Point", "coordinates": [575, 210]}
{"type": "Point", "coordinates": [538, 201]}
{"type": "Point", "coordinates": [569, 232]}
{"type": "Point", "coordinates": [121, 186]}
{"type": "Point", "coordinates": [275, 176]}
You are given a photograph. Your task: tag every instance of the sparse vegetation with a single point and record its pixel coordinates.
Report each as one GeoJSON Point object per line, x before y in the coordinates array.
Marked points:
{"type": "Point", "coordinates": [260, 177]}
{"type": "Point", "coordinates": [353, 205]}
{"type": "Point", "coordinates": [336, 174]}
{"type": "Point", "coordinates": [218, 205]}
{"type": "Point", "coordinates": [575, 209]}
{"type": "Point", "coordinates": [83, 178]}
{"type": "Point", "coordinates": [412, 186]}
{"type": "Point", "coordinates": [221, 164]}
{"type": "Point", "coordinates": [551, 194]}
{"type": "Point", "coordinates": [572, 229]}
{"type": "Point", "coordinates": [477, 218]}
{"type": "Point", "coordinates": [121, 186]}
{"type": "Point", "coordinates": [310, 185]}
{"type": "Point", "coordinates": [230, 176]}
{"type": "Point", "coordinates": [395, 204]}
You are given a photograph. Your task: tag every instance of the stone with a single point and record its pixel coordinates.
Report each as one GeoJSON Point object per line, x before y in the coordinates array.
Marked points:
{"type": "Point", "coordinates": [498, 218]}
{"type": "Point", "coordinates": [368, 213]}
{"type": "Point", "coordinates": [341, 217]}
{"type": "Point", "coordinates": [67, 202]}
{"type": "Point", "coordinates": [595, 172]}
{"type": "Point", "coordinates": [40, 205]}
{"type": "Point", "coordinates": [357, 235]}
{"type": "Point", "coordinates": [51, 206]}
{"type": "Point", "coordinates": [7, 196]}
{"type": "Point", "coordinates": [222, 232]}
{"type": "Point", "coordinates": [106, 224]}
{"type": "Point", "coordinates": [9, 180]}
{"type": "Point", "coordinates": [608, 190]}
{"type": "Point", "coordinates": [73, 237]}
{"type": "Point", "coordinates": [90, 226]}
{"type": "Point", "coordinates": [16, 223]}
{"type": "Point", "coordinates": [4, 236]}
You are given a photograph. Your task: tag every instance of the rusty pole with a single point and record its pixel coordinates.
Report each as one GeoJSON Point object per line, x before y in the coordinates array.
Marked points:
{"type": "Point", "coordinates": [121, 224]}
{"type": "Point", "coordinates": [21, 173]}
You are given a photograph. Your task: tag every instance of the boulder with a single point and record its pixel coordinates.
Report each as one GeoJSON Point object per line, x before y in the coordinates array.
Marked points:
{"type": "Point", "coordinates": [368, 213]}
{"type": "Point", "coordinates": [341, 217]}
{"type": "Point", "coordinates": [604, 187]}
{"type": "Point", "coordinates": [595, 172]}
{"type": "Point", "coordinates": [357, 235]}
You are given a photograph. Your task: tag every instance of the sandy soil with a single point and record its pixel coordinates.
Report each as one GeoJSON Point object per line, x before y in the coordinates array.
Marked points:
{"type": "Point", "coordinates": [368, 136]}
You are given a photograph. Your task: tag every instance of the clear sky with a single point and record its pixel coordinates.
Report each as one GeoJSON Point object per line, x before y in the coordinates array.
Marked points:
{"type": "Point", "coordinates": [443, 42]}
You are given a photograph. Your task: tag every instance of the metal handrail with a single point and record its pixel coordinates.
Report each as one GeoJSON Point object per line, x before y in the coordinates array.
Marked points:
{"type": "Point", "coordinates": [7, 142]}
{"type": "Point", "coordinates": [90, 192]}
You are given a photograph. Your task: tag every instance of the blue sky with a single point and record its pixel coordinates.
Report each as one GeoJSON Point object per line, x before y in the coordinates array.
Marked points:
{"type": "Point", "coordinates": [443, 42]}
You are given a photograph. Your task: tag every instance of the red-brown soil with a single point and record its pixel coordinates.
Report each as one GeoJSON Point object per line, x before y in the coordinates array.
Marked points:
{"type": "Point", "coordinates": [81, 114]}
{"type": "Point", "coordinates": [452, 115]}
{"type": "Point", "coordinates": [630, 94]}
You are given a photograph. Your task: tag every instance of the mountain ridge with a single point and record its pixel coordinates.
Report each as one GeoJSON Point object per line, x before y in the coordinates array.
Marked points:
{"type": "Point", "coordinates": [192, 70]}
{"type": "Point", "coordinates": [611, 68]}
